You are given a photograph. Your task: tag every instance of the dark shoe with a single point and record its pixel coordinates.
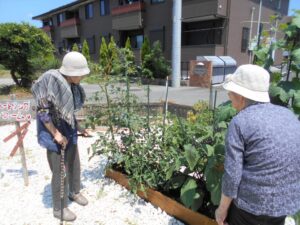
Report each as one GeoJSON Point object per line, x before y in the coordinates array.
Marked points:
{"type": "Point", "coordinates": [68, 215]}
{"type": "Point", "coordinates": [79, 199]}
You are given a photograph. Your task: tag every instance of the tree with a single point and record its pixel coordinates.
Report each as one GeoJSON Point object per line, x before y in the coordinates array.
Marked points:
{"type": "Point", "coordinates": [75, 48]}
{"type": "Point", "coordinates": [128, 43]}
{"type": "Point", "coordinates": [127, 59]}
{"type": "Point", "coordinates": [86, 50]}
{"type": "Point", "coordinates": [23, 50]}
{"type": "Point", "coordinates": [145, 50]}
{"type": "Point", "coordinates": [154, 64]}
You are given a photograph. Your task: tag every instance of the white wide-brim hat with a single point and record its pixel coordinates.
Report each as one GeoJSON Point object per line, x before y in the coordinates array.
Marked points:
{"type": "Point", "coordinates": [249, 81]}
{"type": "Point", "coordinates": [74, 64]}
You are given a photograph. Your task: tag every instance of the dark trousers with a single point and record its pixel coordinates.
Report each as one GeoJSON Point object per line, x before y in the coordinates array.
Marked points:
{"type": "Point", "coordinates": [238, 216]}
{"type": "Point", "coordinates": [72, 179]}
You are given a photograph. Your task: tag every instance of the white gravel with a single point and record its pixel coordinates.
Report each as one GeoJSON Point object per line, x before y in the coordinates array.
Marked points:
{"type": "Point", "coordinates": [109, 203]}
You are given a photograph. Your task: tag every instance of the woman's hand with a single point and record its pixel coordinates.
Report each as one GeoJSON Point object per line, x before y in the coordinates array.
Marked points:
{"type": "Point", "coordinates": [61, 140]}
{"type": "Point", "coordinates": [84, 133]}
{"type": "Point", "coordinates": [221, 214]}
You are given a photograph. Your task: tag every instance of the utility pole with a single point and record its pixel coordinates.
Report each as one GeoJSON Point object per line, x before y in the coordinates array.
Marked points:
{"type": "Point", "coordinates": [258, 22]}
{"type": "Point", "coordinates": [250, 33]}
{"type": "Point", "coordinates": [176, 40]}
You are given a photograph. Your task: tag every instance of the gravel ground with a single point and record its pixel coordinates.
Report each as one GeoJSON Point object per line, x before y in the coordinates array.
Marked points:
{"type": "Point", "coordinates": [109, 203]}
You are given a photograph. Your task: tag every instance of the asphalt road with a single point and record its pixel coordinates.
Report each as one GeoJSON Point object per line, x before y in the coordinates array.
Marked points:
{"type": "Point", "coordinates": [182, 95]}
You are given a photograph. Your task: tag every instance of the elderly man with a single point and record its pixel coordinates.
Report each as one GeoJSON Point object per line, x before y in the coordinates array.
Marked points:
{"type": "Point", "coordinates": [58, 96]}
{"type": "Point", "coordinates": [261, 182]}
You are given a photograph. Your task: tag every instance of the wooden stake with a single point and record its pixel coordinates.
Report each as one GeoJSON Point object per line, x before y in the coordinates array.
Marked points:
{"type": "Point", "coordinates": [23, 158]}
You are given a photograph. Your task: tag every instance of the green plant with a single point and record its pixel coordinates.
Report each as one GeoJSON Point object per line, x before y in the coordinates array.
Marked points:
{"type": "Point", "coordinates": [145, 49]}
{"type": "Point", "coordinates": [284, 92]}
{"type": "Point", "coordinates": [180, 157]}
{"type": "Point", "coordinates": [128, 44]}
{"type": "Point", "coordinates": [154, 64]}
{"type": "Point", "coordinates": [186, 159]}
{"type": "Point", "coordinates": [24, 49]}
{"type": "Point", "coordinates": [75, 48]}
{"type": "Point", "coordinates": [297, 218]}
{"type": "Point", "coordinates": [86, 51]}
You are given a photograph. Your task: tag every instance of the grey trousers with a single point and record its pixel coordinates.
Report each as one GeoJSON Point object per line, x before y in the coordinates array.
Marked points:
{"type": "Point", "coordinates": [72, 179]}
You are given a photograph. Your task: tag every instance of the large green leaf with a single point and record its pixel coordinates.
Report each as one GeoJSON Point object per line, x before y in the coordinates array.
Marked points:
{"type": "Point", "coordinates": [296, 102]}
{"type": "Point", "coordinates": [220, 149]}
{"type": "Point", "coordinates": [224, 113]}
{"type": "Point", "coordinates": [277, 91]}
{"type": "Point", "coordinates": [177, 181]}
{"type": "Point", "coordinates": [189, 194]}
{"type": "Point", "coordinates": [297, 218]}
{"type": "Point", "coordinates": [296, 55]}
{"type": "Point", "coordinates": [262, 54]}
{"type": "Point", "coordinates": [213, 180]}
{"type": "Point", "coordinates": [210, 150]}
{"type": "Point", "coordinates": [296, 20]}
{"type": "Point", "coordinates": [192, 156]}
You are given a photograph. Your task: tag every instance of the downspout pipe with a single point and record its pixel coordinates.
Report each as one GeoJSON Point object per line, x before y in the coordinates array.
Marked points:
{"type": "Point", "coordinates": [176, 43]}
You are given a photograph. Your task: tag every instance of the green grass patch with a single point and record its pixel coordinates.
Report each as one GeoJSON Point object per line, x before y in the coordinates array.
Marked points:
{"type": "Point", "coordinates": [4, 73]}
{"type": "Point", "coordinates": [20, 92]}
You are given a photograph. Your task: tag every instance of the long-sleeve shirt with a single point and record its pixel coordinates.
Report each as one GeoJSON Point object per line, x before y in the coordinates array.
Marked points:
{"type": "Point", "coordinates": [262, 160]}
{"type": "Point", "coordinates": [47, 114]}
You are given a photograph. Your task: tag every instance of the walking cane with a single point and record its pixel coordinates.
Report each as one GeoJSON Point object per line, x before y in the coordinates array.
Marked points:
{"type": "Point", "coordinates": [62, 185]}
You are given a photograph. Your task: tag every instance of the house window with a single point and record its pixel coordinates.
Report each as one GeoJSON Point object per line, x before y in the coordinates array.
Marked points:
{"type": "Point", "coordinates": [91, 44]}
{"type": "Point", "coordinates": [202, 32]}
{"type": "Point", "coordinates": [138, 41]}
{"type": "Point", "coordinates": [89, 11]}
{"type": "Point", "coordinates": [279, 4]}
{"type": "Point", "coordinates": [245, 39]}
{"type": "Point", "coordinates": [60, 18]}
{"type": "Point", "coordinates": [157, 1]}
{"type": "Point", "coordinates": [48, 22]}
{"type": "Point", "coordinates": [126, 2]}
{"type": "Point", "coordinates": [104, 7]}
{"type": "Point", "coordinates": [158, 35]}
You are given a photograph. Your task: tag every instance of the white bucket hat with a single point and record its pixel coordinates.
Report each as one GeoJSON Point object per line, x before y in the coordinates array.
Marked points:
{"type": "Point", "coordinates": [74, 64]}
{"type": "Point", "coordinates": [249, 81]}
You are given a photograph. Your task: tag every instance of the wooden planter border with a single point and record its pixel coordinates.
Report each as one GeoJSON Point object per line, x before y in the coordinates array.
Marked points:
{"type": "Point", "coordinates": [167, 204]}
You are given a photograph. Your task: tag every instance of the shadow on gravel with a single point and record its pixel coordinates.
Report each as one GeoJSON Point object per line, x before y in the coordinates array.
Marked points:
{"type": "Point", "coordinates": [19, 172]}
{"type": "Point", "coordinates": [47, 196]}
{"type": "Point", "coordinates": [95, 173]}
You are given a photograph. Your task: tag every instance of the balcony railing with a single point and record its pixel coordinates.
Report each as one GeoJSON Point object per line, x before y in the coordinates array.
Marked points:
{"type": "Point", "coordinates": [70, 28]}
{"type": "Point", "coordinates": [128, 17]}
{"type": "Point", "coordinates": [133, 7]}
{"type": "Point", "coordinates": [70, 22]}
{"type": "Point", "coordinates": [193, 9]}
{"type": "Point", "coordinates": [47, 28]}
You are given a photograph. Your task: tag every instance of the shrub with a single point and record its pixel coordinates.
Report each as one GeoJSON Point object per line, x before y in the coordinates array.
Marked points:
{"type": "Point", "coordinates": [86, 50]}
{"type": "Point", "coordinates": [154, 64]}
{"type": "Point", "coordinates": [75, 48]}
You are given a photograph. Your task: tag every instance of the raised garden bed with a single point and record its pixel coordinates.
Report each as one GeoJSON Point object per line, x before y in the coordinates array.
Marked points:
{"type": "Point", "coordinates": [167, 204]}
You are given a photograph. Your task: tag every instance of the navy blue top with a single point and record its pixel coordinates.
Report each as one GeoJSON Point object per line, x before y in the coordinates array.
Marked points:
{"type": "Point", "coordinates": [262, 160]}
{"type": "Point", "coordinates": [45, 138]}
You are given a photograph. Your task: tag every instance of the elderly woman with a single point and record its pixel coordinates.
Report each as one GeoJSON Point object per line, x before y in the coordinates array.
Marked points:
{"type": "Point", "coordinates": [58, 96]}
{"type": "Point", "coordinates": [261, 182]}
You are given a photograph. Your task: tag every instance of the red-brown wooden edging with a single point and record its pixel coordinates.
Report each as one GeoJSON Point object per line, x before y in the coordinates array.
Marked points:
{"type": "Point", "coordinates": [167, 204]}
